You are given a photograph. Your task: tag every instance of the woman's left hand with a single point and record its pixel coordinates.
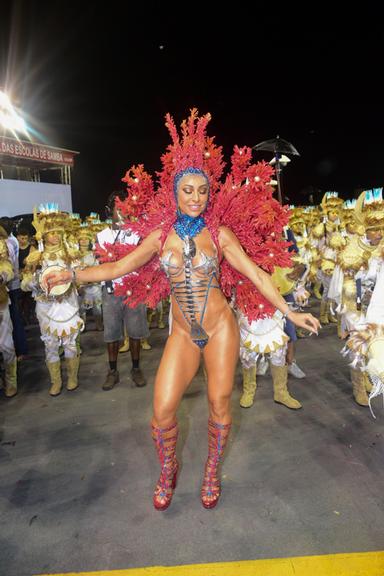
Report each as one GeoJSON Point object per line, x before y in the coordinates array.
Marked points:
{"type": "Point", "coordinates": [55, 278]}
{"type": "Point", "coordinates": [306, 321]}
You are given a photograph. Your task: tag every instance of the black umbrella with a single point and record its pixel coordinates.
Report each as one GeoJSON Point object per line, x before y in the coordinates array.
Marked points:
{"type": "Point", "coordinates": [278, 146]}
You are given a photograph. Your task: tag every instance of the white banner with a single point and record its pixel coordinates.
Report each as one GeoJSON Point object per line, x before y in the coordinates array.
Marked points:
{"type": "Point", "coordinates": [20, 197]}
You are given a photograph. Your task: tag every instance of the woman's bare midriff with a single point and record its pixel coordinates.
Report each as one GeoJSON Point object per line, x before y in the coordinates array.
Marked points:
{"type": "Point", "coordinates": [218, 314]}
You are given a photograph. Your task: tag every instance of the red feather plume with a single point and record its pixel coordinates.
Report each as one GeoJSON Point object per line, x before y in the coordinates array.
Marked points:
{"type": "Point", "coordinates": [243, 203]}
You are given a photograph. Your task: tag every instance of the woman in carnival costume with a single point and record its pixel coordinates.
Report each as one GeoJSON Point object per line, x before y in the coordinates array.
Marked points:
{"type": "Point", "coordinates": [357, 288]}
{"type": "Point", "coordinates": [203, 241]}
{"type": "Point", "coordinates": [58, 315]}
{"type": "Point", "coordinates": [269, 338]}
{"type": "Point", "coordinates": [90, 297]}
{"type": "Point", "coordinates": [330, 243]}
{"type": "Point", "coordinates": [7, 348]}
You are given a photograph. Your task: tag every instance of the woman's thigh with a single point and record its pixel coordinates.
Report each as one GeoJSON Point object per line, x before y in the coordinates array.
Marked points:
{"type": "Point", "coordinates": [220, 357]}
{"type": "Point", "coordinates": [178, 366]}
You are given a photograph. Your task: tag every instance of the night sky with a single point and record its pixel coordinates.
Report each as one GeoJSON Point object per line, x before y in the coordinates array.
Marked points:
{"type": "Point", "coordinates": [100, 80]}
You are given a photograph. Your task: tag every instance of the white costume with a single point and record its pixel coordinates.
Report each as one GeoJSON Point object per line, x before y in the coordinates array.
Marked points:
{"type": "Point", "coordinates": [58, 315]}
{"type": "Point", "coordinates": [6, 340]}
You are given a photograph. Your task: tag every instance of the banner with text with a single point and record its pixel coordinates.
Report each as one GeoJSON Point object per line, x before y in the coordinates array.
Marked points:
{"type": "Point", "coordinates": [36, 152]}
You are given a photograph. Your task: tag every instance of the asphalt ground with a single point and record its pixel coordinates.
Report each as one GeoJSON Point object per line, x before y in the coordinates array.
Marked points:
{"type": "Point", "coordinates": [78, 471]}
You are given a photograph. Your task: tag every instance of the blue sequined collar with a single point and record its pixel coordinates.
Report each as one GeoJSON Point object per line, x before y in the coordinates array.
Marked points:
{"type": "Point", "coordinates": [188, 225]}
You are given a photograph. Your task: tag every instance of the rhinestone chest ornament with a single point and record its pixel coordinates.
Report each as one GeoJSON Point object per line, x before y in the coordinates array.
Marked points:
{"type": "Point", "coordinates": [198, 334]}
{"type": "Point", "coordinates": [190, 292]}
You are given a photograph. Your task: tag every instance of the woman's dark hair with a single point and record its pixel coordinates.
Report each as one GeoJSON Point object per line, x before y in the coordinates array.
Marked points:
{"type": "Point", "coordinates": [7, 224]}
{"type": "Point", "coordinates": [23, 230]}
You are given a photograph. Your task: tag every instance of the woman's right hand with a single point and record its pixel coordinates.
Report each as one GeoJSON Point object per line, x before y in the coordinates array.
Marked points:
{"type": "Point", "coordinates": [305, 320]}
{"type": "Point", "coordinates": [55, 278]}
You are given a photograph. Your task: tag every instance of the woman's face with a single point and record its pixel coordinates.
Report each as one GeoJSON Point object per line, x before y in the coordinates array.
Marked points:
{"type": "Point", "coordinates": [332, 216]}
{"type": "Point", "coordinates": [374, 236]}
{"type": "Point", "coordinates": [297, 229]}
{"type": "Point", "coordinates": [84, 242]}
{"type": "Point", "coordinates": [53, 238]}
{"type": "Point", "coordinates": [192, 194]}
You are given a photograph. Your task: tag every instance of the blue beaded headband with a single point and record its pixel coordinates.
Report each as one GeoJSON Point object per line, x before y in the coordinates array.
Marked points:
{"type": "Point", "coordinates": [180, 175]}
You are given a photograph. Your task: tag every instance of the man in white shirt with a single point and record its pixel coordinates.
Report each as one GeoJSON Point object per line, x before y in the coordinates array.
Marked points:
{"type": "Point", "coordinates": [116, 314]}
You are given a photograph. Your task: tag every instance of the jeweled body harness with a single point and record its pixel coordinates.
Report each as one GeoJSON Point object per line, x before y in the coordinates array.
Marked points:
{"type": "Point", "coordinates": [191, 293]}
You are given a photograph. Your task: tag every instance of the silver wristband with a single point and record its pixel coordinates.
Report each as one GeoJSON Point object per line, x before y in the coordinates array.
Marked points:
{"type": "Point", "coordinates": [285, 315]}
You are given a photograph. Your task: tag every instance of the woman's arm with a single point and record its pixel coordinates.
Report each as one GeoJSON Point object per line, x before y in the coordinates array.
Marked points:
{"type": "Point", "coordinates": [111, 270]}
{"type": "Point", "coordinates": [238, 259]}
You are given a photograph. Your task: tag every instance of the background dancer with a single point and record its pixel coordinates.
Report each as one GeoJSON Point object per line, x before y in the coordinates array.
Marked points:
{"type": "Point", "coordinates": [58, 314]}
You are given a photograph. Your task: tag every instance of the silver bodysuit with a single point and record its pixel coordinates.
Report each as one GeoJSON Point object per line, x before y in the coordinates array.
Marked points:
{"type": "Point", "coordinates": [191, 293]}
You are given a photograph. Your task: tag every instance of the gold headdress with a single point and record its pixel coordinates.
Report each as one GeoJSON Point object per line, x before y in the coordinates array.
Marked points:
{"type": "Point", "coordinates": [331, 203]}
{"type": "Point", "coordinates": [371, 216]}
{"type": "Point", "coordinates": [92, 217]}
{"type": "Point", "coordinates": [6, 268]}
{"type": "Point", "coordinates": [327, 266]}
{"type": "Point", "coordinates": [3, 233]}
{"type": "Point", "coordinates": [74, 221]}
{"type": "Point", "coordinates": [91, 226]}
{"type": "Point", "coordinates": [84, 231]}
{"type": "Point", "coordinates": [296, 219]}
{"type": "Point", "coordinates": [97, 226]}
{"type": "Point", "coordinates": [49, 219]}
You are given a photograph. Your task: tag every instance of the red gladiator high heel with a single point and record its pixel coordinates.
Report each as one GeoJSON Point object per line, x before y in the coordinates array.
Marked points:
{"type": "Point", "coordinates": [165, 441]}
{"type": "Point", "coordinates": [217, 440]}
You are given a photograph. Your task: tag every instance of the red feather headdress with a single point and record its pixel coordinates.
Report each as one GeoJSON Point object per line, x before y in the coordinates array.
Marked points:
{"type": "Point", "coordinates": [243, 203]}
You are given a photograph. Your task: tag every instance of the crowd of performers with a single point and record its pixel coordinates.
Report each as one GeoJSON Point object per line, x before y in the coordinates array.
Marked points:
{"type": "Point", "coordinates": [341, 244]}
{"type": "Point", "coordinates": [62, 241]}
{"type": "Point", "coordinates": [238, 270]}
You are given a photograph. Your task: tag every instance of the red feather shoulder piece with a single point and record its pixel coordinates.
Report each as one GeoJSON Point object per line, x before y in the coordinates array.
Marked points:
{"type": "Point", "coordinates": [245, 205]}
{"type": "Point", "coordinates": [243, 202]}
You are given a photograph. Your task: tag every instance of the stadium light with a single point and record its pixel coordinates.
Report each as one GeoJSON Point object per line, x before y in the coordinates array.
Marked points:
{"type": "Point", "coordinates": [9, 118]}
